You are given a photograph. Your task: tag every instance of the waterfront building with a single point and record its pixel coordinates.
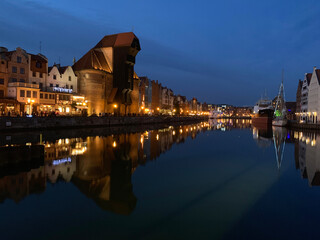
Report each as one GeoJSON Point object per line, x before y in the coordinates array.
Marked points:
{"type": "Point", "coordinates": [27, 94]}
{"type": "Point", "coordinates": [38, 70]}
{"type": "Point", "coordinates": [194, 105]}
{"type": "Point", "coordinates": [156, 97]}
{"type": "Point", "coordinates": [313, 97]}
{"type": "Point", "coordinates": [106, 75]}
{"type": "Point", "coordinates": [14, 68]}
{"type": "Point", "coordinates": [145, 95]}
{"type": "Point", "coordinates": [62, 79]}
{"type": "Point", "coordinates": [303, 111]}
{"type": "Point", "coordinates": [167, 99]}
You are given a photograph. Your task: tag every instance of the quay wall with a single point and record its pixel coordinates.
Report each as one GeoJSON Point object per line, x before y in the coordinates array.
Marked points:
{"type": "Point", "coordinates": [25, 123]}
{"type": "Point", "coordinates": [304, 126]}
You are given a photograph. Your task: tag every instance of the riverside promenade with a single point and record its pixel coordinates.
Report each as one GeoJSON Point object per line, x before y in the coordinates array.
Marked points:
{"type": "Point", "coordinates": [26, 123]}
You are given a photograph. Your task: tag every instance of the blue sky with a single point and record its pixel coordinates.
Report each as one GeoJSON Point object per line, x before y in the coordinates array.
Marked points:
{"type": "Point", "coordinates": [227, 51]}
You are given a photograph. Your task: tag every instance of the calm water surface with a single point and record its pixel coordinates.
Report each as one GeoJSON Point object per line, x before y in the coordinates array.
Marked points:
{"type": "Point", "coordinates": [216, 180]}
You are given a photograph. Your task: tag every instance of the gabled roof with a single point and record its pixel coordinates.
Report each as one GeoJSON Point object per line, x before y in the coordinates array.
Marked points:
{"type": "Point", "coordinates": [38, 58]}
{"type": "Point", "coordinates": [60, 69]}
{"type": "Point", "coordinates": [308, 78]}
{"type": "Point", "coordinates": [117, 40]}
{"type": "Point", "coordinates": [94, 59]}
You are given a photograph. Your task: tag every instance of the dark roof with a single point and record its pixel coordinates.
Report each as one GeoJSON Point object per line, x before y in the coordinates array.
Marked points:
{"type": "Point", "coordinates": [308, 77]}
{"type": "Point", "coordinates": [62, 69]}
{"type": "Point", "coordinates": [38, 58]}
{"type": "Point", "coordinates": [117, 40]}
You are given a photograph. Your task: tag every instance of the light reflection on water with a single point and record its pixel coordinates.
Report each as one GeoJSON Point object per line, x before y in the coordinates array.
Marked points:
{"type": "Point", "coordinates": [214, 179]}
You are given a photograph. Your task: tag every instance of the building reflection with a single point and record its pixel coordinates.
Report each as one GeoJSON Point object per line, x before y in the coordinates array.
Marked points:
{"type": "Point", "coordinates": [307, 155]}
{"type": "Point", "coordinates": [101, 167]}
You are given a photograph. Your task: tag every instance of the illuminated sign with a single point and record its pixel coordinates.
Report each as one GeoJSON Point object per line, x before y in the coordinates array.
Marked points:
{"type": "Point", "coordinates": [60, 161]}
{"type": "Point", "coordinates": [59, 89]}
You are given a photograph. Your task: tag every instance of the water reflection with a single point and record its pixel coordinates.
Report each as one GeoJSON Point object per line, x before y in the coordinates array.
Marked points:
{"type": "Point", "coordinates": [99, 166]}
{"type": "Point", "coordinates": [306, 149]}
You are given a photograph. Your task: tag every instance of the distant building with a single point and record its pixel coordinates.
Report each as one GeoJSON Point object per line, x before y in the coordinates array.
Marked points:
{"type": "Point", "coordinates": [298, 96]}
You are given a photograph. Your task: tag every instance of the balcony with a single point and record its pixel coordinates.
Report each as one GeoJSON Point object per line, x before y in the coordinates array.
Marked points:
{"type": "Point", "coordinates": [25, 85]}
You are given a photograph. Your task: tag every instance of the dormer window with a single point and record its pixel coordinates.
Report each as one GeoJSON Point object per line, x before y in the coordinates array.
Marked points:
{"type": "Point", "coordinates": [19, 59]}
{"type": "Point", "coordinates": [54, 77]}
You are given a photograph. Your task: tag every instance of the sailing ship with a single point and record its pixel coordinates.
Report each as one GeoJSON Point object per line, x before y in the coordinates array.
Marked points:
{"type": "Point", "coordinates": [280, 111]}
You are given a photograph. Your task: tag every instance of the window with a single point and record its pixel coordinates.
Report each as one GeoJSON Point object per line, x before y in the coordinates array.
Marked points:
{"type": "Point", "coordinates": [22, 80]}
{"type": "Point", "coordinates": [34, 74]}
{"type": "Point", "coordinates": [46, 96]}
{"type": "Point", "coordinates": [71, 87]}
{"type": "Point", "coordinates": [53, 171]}
{"type": "Point", "coordinates": [13, 80]}
{"type": "Point", "coordinates": [29, 94]}
{"type": "Point", "coordinates": [69, 78]}
{"type": "Point", "coordinates": [2, 62]}
{"type": "Point", "coordinates": [1, 93]}
{"type": "Point", "coordinates": [22, 70]}
{"type": "Point", "coordinates": [38, 64]}
{"type": "Point", "coordinates": [34, 94]}
{"type": "Point", "coordinates": [57, 85]}
{"type": "Point", "coordinates": [22, 93]}
{"type": "Point", "coordinates": [19, 59]}
{"type": "Point", "coordinates": [34, 82]}
{"type": "Point", "coordinates": [40, 85]}
{"type": "Point", "coordinates": [51, 85]}
{"type": "Point", "coordinates": [67, 86]}
{"type": "Point", "coordinates": [54, 77]}
{"type": "Point", "coordinates": [1, 81]}
{"type": "Point", "coordinates": [41, 75]}
{"type": "Point", "coordinates": [41, 95]}
{"type": "Point", "coordinates": [14, 69]}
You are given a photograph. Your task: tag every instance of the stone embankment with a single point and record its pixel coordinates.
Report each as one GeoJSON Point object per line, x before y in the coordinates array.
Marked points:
{"type": "Point", "coordinates": [304, 126]}
{"type": "Point", "coordinates": [25, 123]}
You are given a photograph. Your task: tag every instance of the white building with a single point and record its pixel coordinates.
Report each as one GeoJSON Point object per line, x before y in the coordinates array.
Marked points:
{"type": "Point", "coordinates": [314, 97]}
{"type": "Point", "coordinates": [62, 79]}
{"type": "Point", "coordinates": [304, 96]}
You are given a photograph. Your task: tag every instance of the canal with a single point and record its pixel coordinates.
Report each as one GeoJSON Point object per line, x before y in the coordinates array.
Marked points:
{"type": "Point", "coordinates": [222, 179]}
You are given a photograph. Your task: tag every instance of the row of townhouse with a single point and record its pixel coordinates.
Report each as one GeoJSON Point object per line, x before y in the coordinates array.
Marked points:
{"type": "Point", "coordinates": [157, 99]}
{"type": "Point", "coordinates": [308, 97]}
{"type": "Point", "coordinates": [29, 86]}
{"type": "Point", "coordinates": [101, 82]}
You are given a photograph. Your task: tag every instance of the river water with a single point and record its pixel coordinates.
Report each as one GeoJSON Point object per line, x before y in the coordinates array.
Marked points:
{"type": "Point", "coordinates": [213, 180]}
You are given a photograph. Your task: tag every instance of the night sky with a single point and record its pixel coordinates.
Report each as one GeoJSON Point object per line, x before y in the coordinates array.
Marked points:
{"type": "Point", "coordinates": [227, 51]}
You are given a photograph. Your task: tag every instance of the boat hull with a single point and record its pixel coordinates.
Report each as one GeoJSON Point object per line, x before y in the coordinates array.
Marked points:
{"type": "Point", "coordinates": [262, 121]}
{"type": "Point", "coordinates": [280, 122]}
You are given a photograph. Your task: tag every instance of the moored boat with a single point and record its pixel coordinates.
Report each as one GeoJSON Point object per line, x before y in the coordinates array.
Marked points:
{"type": "Point", "coordinates": [263, 113]}
{"type": "Point", "coordinates": [280, 112]}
